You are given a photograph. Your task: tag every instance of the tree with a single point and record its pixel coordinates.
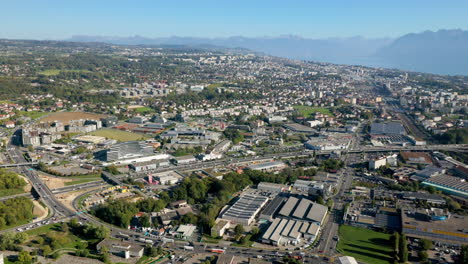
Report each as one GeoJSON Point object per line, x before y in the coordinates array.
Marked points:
{"type": "Point", "coordinates": [151, 251]}
{"type": "Point", "coordinates": [464, 254]}
{"type": "Point", "coordinates": [145, 221]}
{"type": "Point", "coordinates": [25, 257]}
{"type": "Point", "coordinates": [423, 257]}
{"type": "Point", "coordinates": [255, 231]}
{"type": "Point", "coordinates": [396, 242]}
{"type": "Point", "coordinates": [425, 244]}
{"type": "Point", "coordinates": [239, 230]}
{"type": "Point", "coordinates": [403, 250]}
{"type": "Point", "coordinates": [20, 237]}
{"type": "Point", "coordinates": [46, 250]}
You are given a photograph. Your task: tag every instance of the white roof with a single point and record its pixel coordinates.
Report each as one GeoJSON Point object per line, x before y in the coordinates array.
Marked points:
{"type": "Point", "coordinates": [348, 260]}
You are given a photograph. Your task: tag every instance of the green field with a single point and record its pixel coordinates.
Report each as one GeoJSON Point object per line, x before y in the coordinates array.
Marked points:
{"type": "Point", "coordinates": [9, 192]}
{"type": "Point", "coordinates": [52, 72]}
{"type": "Point", "coordinates": [118, 135]}
{"type": "Point", "coordinates": [34, 114]}
{"type": "Point", "coordinates": [365, 245]}
{"type": "Point", "coordinates": [306, 111]}
{"type": "Point", "coordinates": [145, 109]}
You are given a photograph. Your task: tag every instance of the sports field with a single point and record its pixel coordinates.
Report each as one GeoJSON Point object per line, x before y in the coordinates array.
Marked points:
{"type": "Point", "coordinates": [306, 111]}
{"type": "Point", "coordinates": [65, 117]}
{"type": "Point", "coordinates": [365, 245]}
{"type": "Point", "coordinates": [118, 135]}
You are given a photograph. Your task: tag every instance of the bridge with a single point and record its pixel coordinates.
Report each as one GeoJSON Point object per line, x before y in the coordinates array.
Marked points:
{"type": "Point", "coordinates": [18, 164]}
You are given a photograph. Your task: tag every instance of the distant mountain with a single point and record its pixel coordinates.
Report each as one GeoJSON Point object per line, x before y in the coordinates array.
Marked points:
{"type": "Point", "coordinates": [441, 52]}
{"type": "Point", "coordinates": [336, 50]}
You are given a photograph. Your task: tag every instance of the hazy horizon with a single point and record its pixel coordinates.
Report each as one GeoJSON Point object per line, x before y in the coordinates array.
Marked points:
{"type": "Point", "coordinates": [57, 20]}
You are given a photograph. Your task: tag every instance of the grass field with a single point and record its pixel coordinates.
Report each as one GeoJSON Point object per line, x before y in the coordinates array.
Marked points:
{"type": "Point", "coordinates": [65, 117]}
{"type": "Point", "coordinates": [118, 135]}
{"type": "Point", "coordinates": [144, 110]}
{"type": "Point", "coordinates": [306, 111]}
{"type": "Point", "coordinates": [8, 192]}
{"type": "Point", "coordinates": [52, 72]}
{"type": "Point", "coordinates": [365, 245]}
{"type": "Point", "coordinates": [34, 114]}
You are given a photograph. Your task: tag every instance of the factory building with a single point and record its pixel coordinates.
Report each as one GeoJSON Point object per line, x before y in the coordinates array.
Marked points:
{"type": "Point", "coordinates": [298, 219]}
{"type": "Point", "coordinates": [128, 150]}
{"type": "Point", "coordinates": [244, 210]}
{"type": "Point", "coordinates": [272, 187]}
{"type": "Point", "coordinates": [268, 166]}
{"type": "Point", "coordinates": [149, 165]}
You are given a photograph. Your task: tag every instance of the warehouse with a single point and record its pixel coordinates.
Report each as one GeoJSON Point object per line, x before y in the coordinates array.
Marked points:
{"type": "Point", "coordinates": [317, 213]}
{"type": "Point", "coordinates": [290, 232]}
{"type": "Point", "coordinates": [448, 184]}
{"type": "Point", "coordinates": [289, 206]}
{"type": "Point", "coordinates": [149, 165]}
{"type": "Point", "coordinates": [304, 209]}
{"type": "Point", "coordinates": [297, 220]}
{"type": "Point", "coordinates": [268, 166]}
{"type": "Point", "coordinates": [273, 207]}
{"type": "Point", "coordinates": [272, 187]}
{"type": "Point", "coordinates": [245, 209]}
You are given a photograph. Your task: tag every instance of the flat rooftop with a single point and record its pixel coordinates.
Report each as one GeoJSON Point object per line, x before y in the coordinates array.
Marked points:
{"type": "Point", "coordinates": [455, 226]}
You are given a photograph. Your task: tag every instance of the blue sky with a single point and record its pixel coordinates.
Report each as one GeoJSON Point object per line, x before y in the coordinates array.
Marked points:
{"type": "Point", "coordinates": [54, 19]}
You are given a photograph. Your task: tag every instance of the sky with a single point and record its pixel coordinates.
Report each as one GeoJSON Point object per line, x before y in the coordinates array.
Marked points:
{"type": "Point", "coordinates": [60, 19]}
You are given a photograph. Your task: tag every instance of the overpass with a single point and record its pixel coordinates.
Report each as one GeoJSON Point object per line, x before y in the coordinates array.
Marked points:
{"type": "Point", "coordinates": [18, 164]}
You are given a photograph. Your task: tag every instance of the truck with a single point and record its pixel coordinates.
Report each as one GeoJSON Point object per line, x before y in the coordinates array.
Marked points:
{"type": "Point", "coordinates": [217, 250]}
{"type": "Point", "coordinates": [188, 248]}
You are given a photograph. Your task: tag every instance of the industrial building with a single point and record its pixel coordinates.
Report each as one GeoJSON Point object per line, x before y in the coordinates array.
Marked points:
{"type": "Point", "coordinates": [436, 226]}
{"type": "Point", "coordinates": [448, 184]}
{"type": "Point", "coordinates": [268, 166]}
{"type": "Point", "coordinates": [377, 163]}
{"type": "Point", "coordinates": [168, 177]}
{"type": "Point", "coordinates": [184, 160]}
{"type": "Point", "coordinates": [219, 229]}
{"type": "Point", "coordinates": [244, 210]}
{"type": "Point", "coordinates": [293, 220]}
{"type": "Point", "coordinates": [390, 128]}
{"type": "Point", "coordinates": [285, 231]}
{"type": "Point", "coordinates": [149, 165]}
{"type": "Point", "coordinates": [272, 208]}
{"type": "Point", "coordinates": [272, 187]}
{"type": "Point", "coordinates": [304, 209]}
{"type": "Point", "coordinates": [109, 121]}
{"type": "Point", "coordinates": [128, 150]}
{"type": "Point", "coordinates": [329, 141]}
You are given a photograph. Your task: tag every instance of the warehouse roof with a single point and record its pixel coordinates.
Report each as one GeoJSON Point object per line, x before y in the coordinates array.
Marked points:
{"type": "Point", "coordinates": [317, 212]}
{"type": "Point", "coordinates": [274, 205]}
{"type": "Point", "coordinates": [289, 206]}
{"type": "Point", "coordinates": [302, 208]}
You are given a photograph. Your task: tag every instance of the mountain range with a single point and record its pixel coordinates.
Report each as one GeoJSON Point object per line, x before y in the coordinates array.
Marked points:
{"type": "Point", "coordinates": [439, 52]}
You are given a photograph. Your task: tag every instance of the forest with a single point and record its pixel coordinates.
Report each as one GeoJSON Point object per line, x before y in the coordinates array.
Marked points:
{"type": "Point", "coordinates": [10, 180]}
{"type": "Point", "coordinates": [15, 211]}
